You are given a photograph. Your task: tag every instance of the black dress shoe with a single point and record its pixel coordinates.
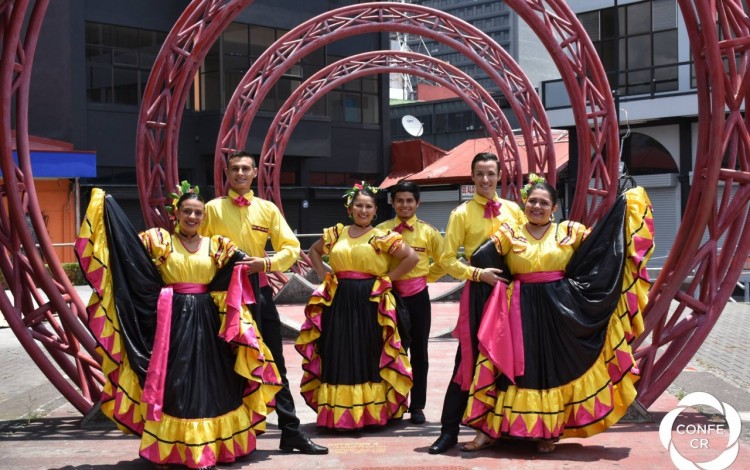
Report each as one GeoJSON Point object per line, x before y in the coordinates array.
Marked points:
{"type": "Point", "coordinates": [302, 443]}
{"type": "Point", "coordinates": [417, 417]}
{"type": "Point", "coordinates": [443, 443]}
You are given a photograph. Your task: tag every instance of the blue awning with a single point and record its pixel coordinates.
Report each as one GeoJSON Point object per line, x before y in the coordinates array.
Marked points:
{"type": "Point", "coordinates": [61, 164]}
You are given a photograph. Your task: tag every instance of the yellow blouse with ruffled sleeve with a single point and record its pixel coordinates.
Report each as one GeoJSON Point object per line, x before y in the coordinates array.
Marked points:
{"type": "Point", "coordinates": [368, 253]}
{"type": "Point", "coordinates": [176, 263]}
{"type": "Point", "coordinates": [526, 254]}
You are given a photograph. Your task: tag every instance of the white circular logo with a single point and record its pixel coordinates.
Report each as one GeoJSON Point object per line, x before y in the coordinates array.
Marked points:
{"type": "Point", "coordinates": [734, 423]}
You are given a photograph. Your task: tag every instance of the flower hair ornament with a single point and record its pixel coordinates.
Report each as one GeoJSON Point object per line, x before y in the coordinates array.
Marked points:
{"type": "Point", "coordinates": [351, 193]}
{"type": "Point", "coordinates": [533, 179]}
{"type": "Point", "coordinates": [180, 189]}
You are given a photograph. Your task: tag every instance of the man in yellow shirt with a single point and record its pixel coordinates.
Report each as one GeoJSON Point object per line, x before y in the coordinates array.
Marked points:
{"type": "Point", "coordinates": [469, 225]}
{"type": "Point", "coordinates": [250, 222]}
{"type": "Point", "coordinates": [428, 243]}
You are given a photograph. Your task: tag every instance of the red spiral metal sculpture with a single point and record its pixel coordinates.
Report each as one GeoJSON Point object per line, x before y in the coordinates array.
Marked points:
{"type": "Point", "coordinates": [46, 313]}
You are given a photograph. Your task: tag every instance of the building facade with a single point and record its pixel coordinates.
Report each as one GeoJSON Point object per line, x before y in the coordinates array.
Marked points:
{"type": "Point", "coordinates": [93, 61]}
{"type": "Point", "coordinates": [502, 25]}
{"type": "Point", "coordinates": [645, 50]}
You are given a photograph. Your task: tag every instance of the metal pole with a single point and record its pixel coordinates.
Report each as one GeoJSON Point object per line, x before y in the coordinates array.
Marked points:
{"type": "Point", "coordinates": [77, 185]}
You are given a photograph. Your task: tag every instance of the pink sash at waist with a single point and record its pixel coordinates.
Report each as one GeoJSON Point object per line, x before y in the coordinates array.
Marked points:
{"type": "Point", "coordinates": [188, 288]}
{"type": "Point", "coordinates": [409, 287]}
{"type": "Point", "coordinates": [540, 277]}
{"type": "Point", "coordinates": [501, 330]}
{"type": "Point", "coordinates": [153, 388]}
{"type": "Point", "coordinates": [353, 275]}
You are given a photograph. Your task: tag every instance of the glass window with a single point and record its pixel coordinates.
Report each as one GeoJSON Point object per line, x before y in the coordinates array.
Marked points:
{"type": "Point", "coordinates": [637, 44]}
{"type": "Point", "coordinates": [99, 83]}
{"type": "Point", "coordinates": [353, 85]}
{"type": "Point", "coordinates": [370, 109]}
{"type": "Point", "coordinates": [98, 54]}
{"type": "Point", "coordinates": [260, 39]}
{"type": "Point", "coordinates": [124, 37]}
{"type": "Point", "coordinates": [125, 57]}
{"type": "Point", "coordinates": [337, 105]}
{"type": "Point", "coordinates": [285, 87]}
{"type": "Point", "coordinates": [150, 41]}
{"type": "Point", "coordinates": [665, 47]}
{"type": "Point", "coordinates": [608, 25]}
{"type": "Point", "coordinates": [664, 14]}
{"type": "Point", "coordinates": [370, 84]}
{"type": "Point", "coordinates": [639, 52]}
{"type": "Point", "coordinates": [235, 39]}
{"type": "Point", "coordinates": [210, 90]}
{"type": "Point", "coordinates": [639, 18]}
{"type": "Point", "coordinates": [319, 107]}
{"type": "Point", "coordinates": [147, 60]}
{"type": "Point", "coordinates": [352, 104]}
{"type": "Point", "coordinates": [125, 86]}
{"type": "Point", "coordinates": [590, 22]}
{"type": "Point", "coordinates": [118, 62]}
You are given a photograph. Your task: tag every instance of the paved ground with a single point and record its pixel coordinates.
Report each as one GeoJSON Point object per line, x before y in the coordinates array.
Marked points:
{"type": "Point", "coordinates": [39, 430]}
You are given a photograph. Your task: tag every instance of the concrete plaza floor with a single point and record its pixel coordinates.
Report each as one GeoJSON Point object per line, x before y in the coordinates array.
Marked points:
{"type": "Point", "coordinates": [40, 430]}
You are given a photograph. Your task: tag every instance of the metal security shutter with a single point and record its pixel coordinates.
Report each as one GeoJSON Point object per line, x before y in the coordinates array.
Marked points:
{"type": "Point", "coordinates": [436, 213]}
{"type": "Point", "coordinates": [291, 210]}
{"type": "Point", "coordinates": [325, 213]}
{"type": "Point", "coordinates": [127, 198]}
{"type": "Point", "coordinates": [436, 205]}
{"type": "Point", "coordinates": [132, 209]}
{"type": "Point", "coordinates": [664, 194]}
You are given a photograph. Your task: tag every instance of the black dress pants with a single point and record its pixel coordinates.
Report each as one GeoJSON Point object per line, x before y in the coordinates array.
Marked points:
{"type": "Point", "coordinates": [270, 328]}
{"type": "Point", "coordinates": [420, 313]}
{"type": "Point", "coordinates": [456, 399]}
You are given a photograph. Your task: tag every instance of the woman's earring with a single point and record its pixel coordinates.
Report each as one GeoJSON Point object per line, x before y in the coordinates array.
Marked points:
{"type": "Point", "coordinates": [552, 218]}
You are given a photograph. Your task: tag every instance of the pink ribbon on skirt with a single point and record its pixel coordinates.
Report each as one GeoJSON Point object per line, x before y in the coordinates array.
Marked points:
{"type": "Point", "coordinates": [501, 331]}
{"type": "Point", "coordinates": [239, 293]}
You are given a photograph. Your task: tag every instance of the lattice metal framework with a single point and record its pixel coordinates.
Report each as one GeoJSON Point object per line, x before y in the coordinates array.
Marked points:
{"type": "Point", "coordinates": [679, 319]}
{"type": "Point", "coordinates": [369, 63]}
{"type": "Point", "coordinates": [44, 310]}
{"type": "Point", "coordinates": [41, 307]}
{"type": "Point", "coordinates": [374, 17]}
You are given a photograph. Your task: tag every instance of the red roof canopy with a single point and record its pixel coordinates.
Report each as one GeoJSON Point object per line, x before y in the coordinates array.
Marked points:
{"type": "Point", "coordinates": [42, 143]}
{"type": "Point", "coordinates": [455, 166]}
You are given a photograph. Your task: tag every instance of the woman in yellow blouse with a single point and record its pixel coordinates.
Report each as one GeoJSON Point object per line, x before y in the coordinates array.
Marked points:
{"type": "Point", "coordinates": [186, 368]}
{"type": "Point", "coordinates": [575, 308]}
{"type": "Point", "coordinates": [356, 372]}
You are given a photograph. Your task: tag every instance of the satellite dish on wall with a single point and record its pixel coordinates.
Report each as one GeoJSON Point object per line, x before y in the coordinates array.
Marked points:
{"type": "Point", "coordinates": [412, 125]}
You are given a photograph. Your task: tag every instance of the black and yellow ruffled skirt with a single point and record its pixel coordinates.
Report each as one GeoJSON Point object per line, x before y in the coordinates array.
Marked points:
{"type": "Point", "coordinates": [356, 372]}
{"type": "Point", "coordinates": [218, 390]}
{"type": "Point", "coordinates": [579, 376]}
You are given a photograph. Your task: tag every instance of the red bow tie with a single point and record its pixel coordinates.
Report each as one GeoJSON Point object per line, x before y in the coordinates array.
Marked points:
{"type": "Point", "coordinates": [403, 226]}
{"type": "Point", "coordinates": [241, 201]}
{"type": "Point", "coordinates": [491, 209]}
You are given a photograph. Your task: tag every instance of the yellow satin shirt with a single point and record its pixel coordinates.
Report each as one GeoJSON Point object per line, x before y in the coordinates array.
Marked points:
{"type": "Point", "coordinates": [526, 254]}
{"type": "Point", "coordinates": [369, 253]}
{"type": "Point", "coordinates": [250, 227]}
{"type": "Point", "coordinates": [426, 240]}
{"type": "Point", "coordinates": [176, 263]}
{"type": "Point", "coordinates": [467, 227]}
